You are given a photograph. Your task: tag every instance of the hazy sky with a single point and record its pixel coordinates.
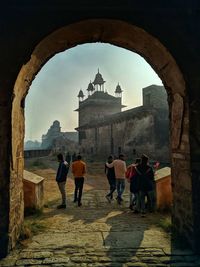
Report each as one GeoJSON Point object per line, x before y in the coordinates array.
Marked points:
{"type": "Point", "coordinates": [53, 93]}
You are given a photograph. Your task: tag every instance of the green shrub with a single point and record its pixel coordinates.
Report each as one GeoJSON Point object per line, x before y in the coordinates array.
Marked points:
{"type": "Point", "coordinates": [30, 228]}
{"type": "Point", "coordinates": [166, 224]}
{"type": "Point", "coordinates": [39, 164]}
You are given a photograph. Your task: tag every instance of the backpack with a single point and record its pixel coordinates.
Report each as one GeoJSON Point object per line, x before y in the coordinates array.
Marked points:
{"type": "Point", "coordinates": [130, 172]}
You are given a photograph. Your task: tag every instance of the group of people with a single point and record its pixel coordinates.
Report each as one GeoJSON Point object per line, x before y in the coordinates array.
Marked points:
{"type": "Point", "coordinates": [140, 175]}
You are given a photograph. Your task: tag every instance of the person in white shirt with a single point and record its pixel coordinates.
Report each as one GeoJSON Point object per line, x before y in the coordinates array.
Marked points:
{"type": "Point", "coordinates": [120, 171]}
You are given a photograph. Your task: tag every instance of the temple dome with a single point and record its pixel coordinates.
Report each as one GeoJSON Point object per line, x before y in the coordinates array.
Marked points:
{"type": "Point", "coordinates": [98, 79]}
{"type": "Point", "coordinates": [80, 94]}
{"type": "Point", "coordinates": [118, 89]}
{"type": "Point", "coordinates": [56, 123]}
{"type": "Point", "coordinates": [90, 87]}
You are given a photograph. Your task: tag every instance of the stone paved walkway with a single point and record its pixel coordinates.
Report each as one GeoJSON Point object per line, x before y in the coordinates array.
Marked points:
{"type": "Point", "coordinates": [99, 234]}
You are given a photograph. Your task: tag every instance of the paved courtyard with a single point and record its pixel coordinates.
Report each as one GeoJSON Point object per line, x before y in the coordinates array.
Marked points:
{"type": "Point", "coordinates": [97, 234]}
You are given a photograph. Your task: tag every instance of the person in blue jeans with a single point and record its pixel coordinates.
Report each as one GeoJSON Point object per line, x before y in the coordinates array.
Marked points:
{"type": "Point", "coordinates": [120, 171]}
{"type": "Point", "coordinates": [110, 173]}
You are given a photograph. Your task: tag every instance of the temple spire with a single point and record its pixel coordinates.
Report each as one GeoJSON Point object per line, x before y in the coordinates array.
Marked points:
{"type": "Point", "coordinates": [99, 82]}
{"type": "Point", "coordinates": [118, 91]}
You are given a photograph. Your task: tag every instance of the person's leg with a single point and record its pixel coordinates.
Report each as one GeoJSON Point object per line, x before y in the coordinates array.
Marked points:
{"type": "Point", "coordinates": [61, 187]}
{"type": "Point", "coordinates": [113, 187]}
{"type": "Point", "coordinates": [112, 183]}
{"type": "Point", "coordinates": [150, 201]}
{"type": "Point", "coordinates": [138, 203]}
{"type": "Point", "coordinates": [76, 189]}
{"type": "Point", "coordinates": [131, 201]}
{"type": "Point", "coordinates": [108, 196]}
{"type": "Point", "coordinates": [81, 182]}
{"type": "Point", "coordinates": [142, 201]}
{"type": "Point", "coordinates": [122, 187]}
{"type": "Point", "coordinates": [117, 187]}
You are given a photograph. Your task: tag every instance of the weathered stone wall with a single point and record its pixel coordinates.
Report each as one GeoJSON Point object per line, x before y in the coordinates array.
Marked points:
{"type": "Point", "coordinates": [155, 96]}
{"type": "Point", "coordinates": [181, 182]}
{"type": "Point", "coordinates": [5, 141]}
{"type": "Point", "coordinates": [132, 136]}
{"type": "Point", "coordinates": [92, 113]}
{"type": "Point", "coordinates": [147, 127]}
{"type": "Point", "coordinates": [16, 180]}
{"type": "Point", "coordinates": [103, 145]}
{"type": "Point", "coordinates": [162, 135]}
{"type": "Point", "coordinates": [135, 134]}
{"type": "Point", "coordinates": [96, 106]}
{"type": "Point", "coordinates": [88, 143]}
{"type": "Point", "coordinates": [36, 153]}
{"type": "Point", "coordinates": [194, 127]}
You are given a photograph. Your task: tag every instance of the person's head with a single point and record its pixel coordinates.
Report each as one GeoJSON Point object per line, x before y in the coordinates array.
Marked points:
{"type": "Point", "coordinates": [110, 159]}
{"type": "Point", "coordinates": [144, 159]}
{"type": "Point", "coordinates": [121, 156]}
{"type": "Point", "coordinates": [79, 157]}
{"type": "Point", "coordinates": [60, 157]}
{"type": "Point", "coordinates": [137, 161]}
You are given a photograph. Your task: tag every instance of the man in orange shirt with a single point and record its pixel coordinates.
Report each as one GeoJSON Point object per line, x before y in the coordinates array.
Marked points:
{"type": "Point", "coordinates": [78, 170]}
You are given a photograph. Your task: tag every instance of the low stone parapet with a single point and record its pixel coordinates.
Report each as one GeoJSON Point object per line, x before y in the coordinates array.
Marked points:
{"type": "Point", "coordinates": [33, 190]}
{"type": "Point", "coordinates": [163, 188]}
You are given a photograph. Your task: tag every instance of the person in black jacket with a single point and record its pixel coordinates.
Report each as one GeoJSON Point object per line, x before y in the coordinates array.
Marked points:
{"type": "Point", "coordinates": [61, 178]}
{"type": "Point", "coordinates": [110, 173]}
{"type": "Point", "coordinates": [133, 183]}
{"type": "Point", "coordinates": [144, 179]}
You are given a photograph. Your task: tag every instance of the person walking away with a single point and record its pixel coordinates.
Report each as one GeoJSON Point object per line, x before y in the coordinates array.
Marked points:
{"type": "Point", "coordinates": [61, 178]}
{"type": "Point", "coordinates": [130, 175]}
{"type": "Point", "coordinates": [145, 176]}
{"type": "Point", "coordinates": [120, 170]}
{"type": "Point", "coordinates": [79, 171]}
{"type": "Point", "coordinates": [110, 173]}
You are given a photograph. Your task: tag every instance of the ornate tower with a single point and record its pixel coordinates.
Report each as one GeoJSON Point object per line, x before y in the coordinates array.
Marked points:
{"type": "Point", "coordinates": [97, 105]}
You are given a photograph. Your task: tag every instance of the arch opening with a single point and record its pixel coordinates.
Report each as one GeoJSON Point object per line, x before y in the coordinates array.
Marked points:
{"type": "Point", "coordinates": [50, 80]}
{"type": "Point", "coordinates": [134, 39]}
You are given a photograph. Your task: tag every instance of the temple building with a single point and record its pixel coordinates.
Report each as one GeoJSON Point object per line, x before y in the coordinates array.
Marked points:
{"type": "Point", "coordinates": [105, 129]}
{"type": "Point", "coordinates": [57, 140]}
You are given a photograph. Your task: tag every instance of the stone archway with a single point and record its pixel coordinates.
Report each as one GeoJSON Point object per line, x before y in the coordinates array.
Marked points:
{"type": "Point", "coordinates": [134, 39]}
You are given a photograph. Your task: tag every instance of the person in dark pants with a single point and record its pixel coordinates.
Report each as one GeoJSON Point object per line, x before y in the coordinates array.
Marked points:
{"type": "Point", "coordinates": [78, 170]}
{"type": "Point", "coordinates": [110, 173]}
{"type": "Point", "coordinates": [145, 180]}
{"type": "Point", "coordinates": [61, 178]}
{"type": "Point", "coordinates": [133, 183]}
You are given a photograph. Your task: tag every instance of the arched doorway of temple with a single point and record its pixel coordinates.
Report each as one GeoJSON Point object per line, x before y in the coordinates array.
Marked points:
{"type": "Point", "coordinates": [130, 96]}
{"type": "Point", "coordinates": [136, 40]}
